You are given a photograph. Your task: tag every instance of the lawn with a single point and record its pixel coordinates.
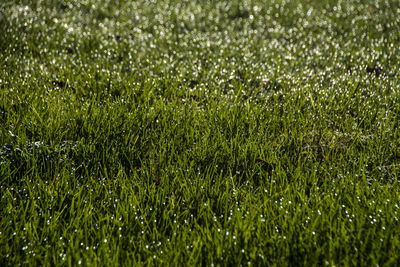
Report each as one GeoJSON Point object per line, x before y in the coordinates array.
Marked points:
{"type": "Point", "coordinates": [206, 133]}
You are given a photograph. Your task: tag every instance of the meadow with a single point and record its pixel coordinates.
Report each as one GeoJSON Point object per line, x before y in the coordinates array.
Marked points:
{"type": "Point", "coordinates": [212, 133]}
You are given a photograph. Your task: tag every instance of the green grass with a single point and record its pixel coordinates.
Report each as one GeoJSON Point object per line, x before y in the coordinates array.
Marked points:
{"type": "Point", "coordinates": [199, 132]}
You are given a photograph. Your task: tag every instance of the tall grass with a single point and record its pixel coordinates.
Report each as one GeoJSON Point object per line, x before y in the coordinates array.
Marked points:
{"type": "Point", "coordinates": [199, 132]}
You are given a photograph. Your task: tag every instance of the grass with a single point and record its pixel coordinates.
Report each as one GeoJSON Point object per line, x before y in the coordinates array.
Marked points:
{"type": "Point", "coordinates": [199, 132]}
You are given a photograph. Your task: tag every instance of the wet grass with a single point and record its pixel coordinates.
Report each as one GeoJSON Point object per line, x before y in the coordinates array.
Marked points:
{"type": "Point", "coordinates": [199, 132]}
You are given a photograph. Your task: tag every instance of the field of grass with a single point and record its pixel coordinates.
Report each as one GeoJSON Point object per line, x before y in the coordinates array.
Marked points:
{"type": "Point", "coordinates": [199, 132]}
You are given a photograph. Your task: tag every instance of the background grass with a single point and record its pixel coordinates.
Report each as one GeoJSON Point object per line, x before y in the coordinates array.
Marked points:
{"type": "Point", "coordinates": [199, 132]}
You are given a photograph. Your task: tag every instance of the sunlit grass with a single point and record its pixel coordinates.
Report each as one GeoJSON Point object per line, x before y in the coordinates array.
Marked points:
{"type": "Point", "coordinates": [204, 133]}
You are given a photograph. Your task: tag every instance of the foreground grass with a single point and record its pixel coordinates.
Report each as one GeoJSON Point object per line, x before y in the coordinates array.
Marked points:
{"type": "Point", "coordinates": [204, 133]}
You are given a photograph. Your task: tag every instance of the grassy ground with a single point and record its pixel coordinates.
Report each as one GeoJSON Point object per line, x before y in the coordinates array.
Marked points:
{"type": "Point", "coordinates": [199, 132]}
